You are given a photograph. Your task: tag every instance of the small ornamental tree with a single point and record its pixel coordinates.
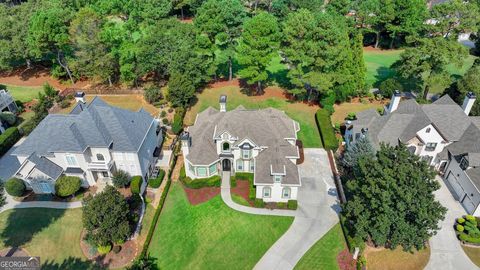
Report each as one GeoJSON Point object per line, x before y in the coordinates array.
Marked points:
{"type": "Point", "coordinates": [15, 187]}
{"type": "Point", "coordinates": [391, 199]}
{"type": "Point", "coordinates": [388, 86]}
{"type": "Point", "coordinates": [361, 148]}
{"type": "Point", "coordinates": [121, 179]}
{"type": "Point", "coordinates": [67, 185]}
{"type": "Point", "coordinates": [105, 217]}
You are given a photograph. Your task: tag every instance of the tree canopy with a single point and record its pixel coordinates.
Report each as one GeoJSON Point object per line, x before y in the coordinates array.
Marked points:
{"type": "Point", "coordinates": [391, 200]}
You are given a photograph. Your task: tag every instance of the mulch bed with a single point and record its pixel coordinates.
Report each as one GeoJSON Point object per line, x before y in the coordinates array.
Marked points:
{"type": "Point", "coordinates": [201, 195]}
{"type": "Point", "coordinates": [300, 151]}
{"type": "Point", "coordinates": [242, 189]}
{"type": "Point", "coordinates": [30, 196]}
{"type": "Point", "coordinates": [345, 260]}
{"type": "Point", "coordinates": [111, 260]}
{"type": "Point", "coordinates": [16, 252]}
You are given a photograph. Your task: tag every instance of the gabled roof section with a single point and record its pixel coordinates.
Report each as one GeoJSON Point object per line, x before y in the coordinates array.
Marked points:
{"type": "Point", "coordinates": [95, 125]}
{"type": "Point", "coordinates": [445, 100]}
{"type": "Point", "coordinates": [46, 166]}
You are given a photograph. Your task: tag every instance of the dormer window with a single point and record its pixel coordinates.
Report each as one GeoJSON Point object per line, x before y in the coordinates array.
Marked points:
{"type": "Point", "coordinates": [277, 178]}
{"type": "Point", "coordinates": [464, 163]}
{"type": "Point", "coordinates": [246, 153]}
{"type": "Point", "coordinates": [100, 157]}
{"type": "Point", "coordinates": [226, 147]}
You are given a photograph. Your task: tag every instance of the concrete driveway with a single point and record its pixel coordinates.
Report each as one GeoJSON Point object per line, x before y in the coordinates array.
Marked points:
{"type": "Point", "coordinates": [446, 252]}
{"type": "Point", "coordinates": [316, 215]}
{"type": "Point", "coordinates": [8, 163]}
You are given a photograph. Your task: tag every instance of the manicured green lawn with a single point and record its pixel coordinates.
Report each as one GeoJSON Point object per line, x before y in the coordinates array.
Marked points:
{"type": "Point", "coordinates": [211, 235]}
{"type": "Point", "coordinates": [323, 255]}
{"type": "Point", "coordinates": [23, 93]}
{"type": "Point", "coordinates": [240, 200]}
{"type": "Point", "coordinates": [273, 97]}
{"type": "Point", "coordinates": [378, 64]}
{"type": "Point", "coordinates": [128, 102]}
{"type": "Point", "coordinates": [52, 234]}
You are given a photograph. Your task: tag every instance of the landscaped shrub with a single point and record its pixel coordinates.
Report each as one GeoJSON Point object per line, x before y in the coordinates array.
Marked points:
{"type": "Point", "coordinates": [351, 116]}
{"type": "Point", "coordinates": [156, 182]}
{"type": "Point", "coordinates": [259, 203]}
{"type": "Point", "coordinates": [177, 124]}
{"type": "Point", "coordinates": [121, 179]}
{"type": "Point", "coordinates": [326, 130]}
{"type": "Point", "coordinates": [460, 220]}
{"type": "Point", "coordinates": [163, 114]}
{"type": "Point", "coordinates": [102, 250]}
{"type": "Point", "coordinates": [292, 204]}
{"type": "Point", "coordinates": [8, 117]}
{"type": "Point", "coordinates": [470, 218]}
{"type": "Point", "coordinates": [468, 230]}
{"type": "Point", "coordinates": [460, 228]}
{"type": "Point", "coordinates": [8, 139]}
{"type": "Point", "coordinates": [213, 181]}
{"type": "Point", "coordinates": [233, 181]}
{"type": "Point", "coordinates": [136, 184]}
{"type": "Point", "coordinates": [67, 185]}
{"type": "Point", "coordinates": [281, 205]}
{"type": "Point", "coordinates": [15, 187]}
{"type": "Point", "coordinates": [248, 176]}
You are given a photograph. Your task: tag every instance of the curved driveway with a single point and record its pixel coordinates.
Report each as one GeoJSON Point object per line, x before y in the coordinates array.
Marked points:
{"type": "Point", "coordinates": [315, 216]}
{"type": "Point", "coordinates": [445, 250]}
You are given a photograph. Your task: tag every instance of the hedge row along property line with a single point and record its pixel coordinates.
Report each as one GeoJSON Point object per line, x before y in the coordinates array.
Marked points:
{"type": "Point", "coordinates": [8, 139]}
{"type": "Point", "coordinates": [325, 127]}
{"type": "Point", "coordinates": [143, 254]}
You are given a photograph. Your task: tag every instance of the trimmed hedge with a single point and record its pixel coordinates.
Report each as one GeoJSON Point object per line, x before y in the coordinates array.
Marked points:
{"type": "Point", "coordinates": [8, 139]}
{"type": "Point", "coordinates": [136, 184]}
{"type": "Point", "coordinates": [67, 185]}
{"type": "Point", "coordinates": [213, 181]}
{"type": "Point", "coordinates": [327, 132]}
{"type": "Point", "coordinates": [177, 125]}
{"type": "Point", "coordinates": [247, 176]}
{"type": "Point", "coordinates": [292, 204]}
{"type": "Point", "coordinates": [15, 187]}
{"type": "Point", "coordinates": [259, 203]}
{"type": "Point", "coordinates": [156, 182]}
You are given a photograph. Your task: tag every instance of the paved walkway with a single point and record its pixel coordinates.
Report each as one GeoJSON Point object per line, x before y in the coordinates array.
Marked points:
{"type": "Point", "coordinates": [316, 215]}
{"type": "Point", "coordinates": [446, 252]}
{"type": "Point", "coordinates": [12, 204]}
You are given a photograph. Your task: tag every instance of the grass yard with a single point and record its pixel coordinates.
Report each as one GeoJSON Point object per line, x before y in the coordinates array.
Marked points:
{"type": "Point", "coordinates": [386, 259]}
{"type": "Point", "coordinates": [129, 102]}
{"type": "Point", "coordinates": [52, 234]}
{"type": "Point", "coordinates": [239, 200]}
{"type": "Point", "coordinates": [23, 93]}
{"type": "Point", "coordinates": [378, 64]}
{"type": "Point", "coordinates": [323, 255]}
{"type": "Point", "coordinates": [473, 254]}
{"type": "Point", "coordinates": [273, 97]}
{"type": "Point", "coordinates": [342, 110]}
{"type": "Point", "coordinates": [211, 235]}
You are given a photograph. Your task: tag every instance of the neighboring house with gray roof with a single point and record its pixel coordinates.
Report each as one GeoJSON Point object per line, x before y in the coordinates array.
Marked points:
{"type": "Point", "coordinates": [91, 142]}
{"type": "Point", "coordinates": [441, 133]}
{"type": "Point", "coordinates": [262, 142]}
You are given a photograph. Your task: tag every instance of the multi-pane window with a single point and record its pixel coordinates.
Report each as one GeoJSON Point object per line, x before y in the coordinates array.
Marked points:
{"type": "Point", "coordinates": [100, 157]}
{"type": "Point", "coordinates": [286, 193]}
{"type": "Point", "coordinates": [246, 153]}
{"type": "Point", "coordinates": [212, 169]}
{"type": "Point", "coordinates": [267, 192]}
{"type": "Point", "coordinates": [464, 163]}
{"type": "Point", "coordinates": [252, 166]}
{"type": "Point", "coordinates": [277, 178]}
{"type": "Point", "coordinates": [430, 146]}
{"type": "Point", "coordinates": [239, 165]}
{"type": "Point", "coordinates": [191, 168]}
{"type": "Point", "coordinates": [225, 147]}
{"type": "Point", "coordinates": [71, 161]}
{"type": "Point", "coordinates": [201, 171]}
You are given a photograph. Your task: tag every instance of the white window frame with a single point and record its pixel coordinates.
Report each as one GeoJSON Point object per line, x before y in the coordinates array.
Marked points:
{"type": "Point", "coordinates": [246, 153]}
{"type": "Point", "coordinates": [252, 166]}
{"type": "Point", "coordinates": [101, 155]}
{"type": "Point", "coordinates": [214, 166]}
{"type": "Point", "coordinates": [289, 193]}
{"type": "Point", "coordinates": [430, 147]}
{"type": "Point", "coordinates": [71, 160]}
{"type": "Point", "coordinates": [277, 178]}
{"type": "Point", "coordinates": [200, 168]}
{"type": "Point", "coordinates": [269, 191]}
{"type": "Point", "coordinates": [240, 165]}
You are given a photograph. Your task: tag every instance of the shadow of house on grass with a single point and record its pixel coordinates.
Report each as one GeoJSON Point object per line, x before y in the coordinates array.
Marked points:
{"type": "Point", "coordinates": [72, 263]}
{"type": "Point", "coordinates": [23, 224]}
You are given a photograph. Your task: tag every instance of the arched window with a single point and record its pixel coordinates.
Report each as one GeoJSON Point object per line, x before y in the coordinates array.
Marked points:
{"type": "Point", "coordinates": [226, 147]}
{"type": "Point", "coordinates": [286, 193]}
{"type": "Point", "coordinates": [100, 157]}
{"type": "Point", "coordinates": [267, 192]}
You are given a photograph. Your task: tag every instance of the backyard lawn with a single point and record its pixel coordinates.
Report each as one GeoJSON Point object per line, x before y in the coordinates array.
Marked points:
{"type": "Point", "coordinates": [386, 259]}
{"type": "Point", "coordinates": [342, 110]}
{"type": "Point", "coordinates": [273, 97]}
{"type": "Point", "coordinates": [129, 102]}
{"type": "Point", "coordinates": [323, 255]}
{"type": "Point", "coordinates": [211, 235]}
{"type": "Point", "coordinates": [23, 93]}
{"type": "Point", "coordinates": [473, 253]}
{"type": "Point", "coordinates": [52, 234]}
{"type": "Point", "coordinates": [378, 64]}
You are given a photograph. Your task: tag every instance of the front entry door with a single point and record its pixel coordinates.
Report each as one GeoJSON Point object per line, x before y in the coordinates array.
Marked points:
{"type": "Point", "coordinates": [226, 165]}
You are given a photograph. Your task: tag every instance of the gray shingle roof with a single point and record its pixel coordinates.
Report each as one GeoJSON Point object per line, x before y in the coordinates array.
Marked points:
{"type": "Point", "coordinates": [474, 175]}
{"type": "Point", "coordinates": [266, 127]}
{"type": "Point", "coordinates": [46, 166]}
{"type": "Point", "coordinates": [95, 125]}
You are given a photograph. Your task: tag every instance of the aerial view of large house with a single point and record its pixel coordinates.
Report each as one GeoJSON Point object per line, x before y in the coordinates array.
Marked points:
{"type": "Point", "coordinates": [262, 142]}
{"type": "Point", "coordinates": [91, 142]}
{"type": "Point", "coordinates": [441, 133]}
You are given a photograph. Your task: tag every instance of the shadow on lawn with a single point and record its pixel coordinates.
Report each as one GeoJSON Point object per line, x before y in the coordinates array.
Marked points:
{"type": "Point", "coordinates": [72, 263]}
{"type": "Point", "coordinates": [23, 224]}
